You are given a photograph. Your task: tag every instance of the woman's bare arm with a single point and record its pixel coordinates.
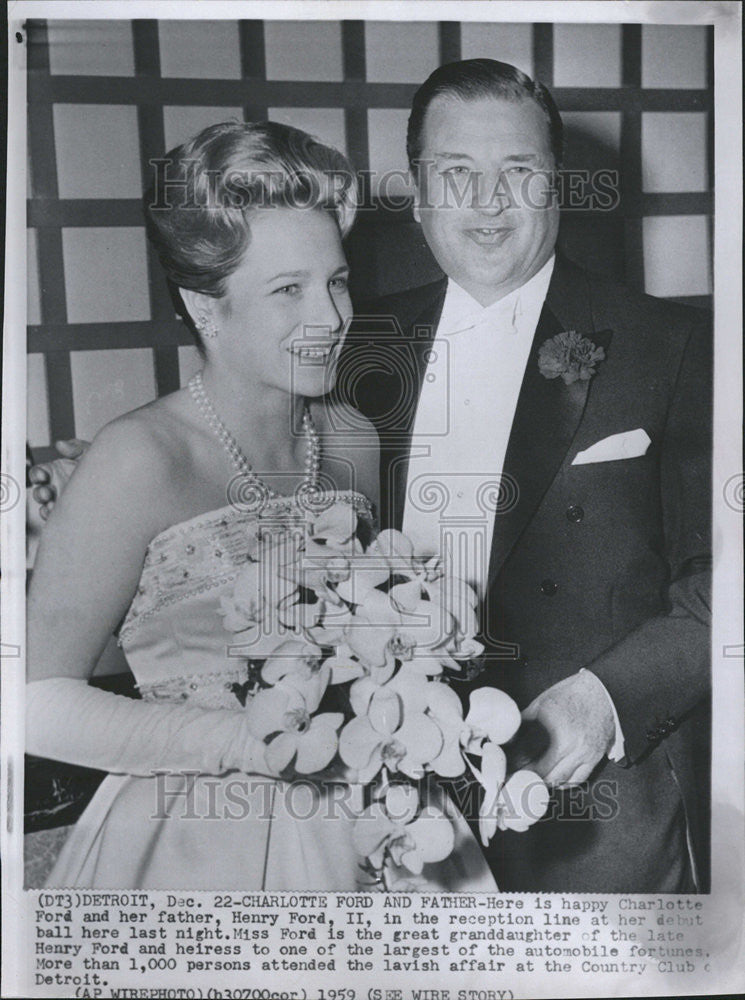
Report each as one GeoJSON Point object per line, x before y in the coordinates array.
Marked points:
{"type": "Point", "coordinates": [92, 550]}
{"type": "Point", "coordinates": [124, 492]}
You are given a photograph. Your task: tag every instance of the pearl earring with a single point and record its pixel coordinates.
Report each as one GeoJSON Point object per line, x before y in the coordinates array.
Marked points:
{"type": "Point", "coordinates": [206, 325]}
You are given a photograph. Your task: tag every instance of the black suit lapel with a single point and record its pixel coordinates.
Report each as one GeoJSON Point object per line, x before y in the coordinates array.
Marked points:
{"type": "Point", "coordinates": [380, 372]}
{"type": "Point", "coordinates": [547, 416]}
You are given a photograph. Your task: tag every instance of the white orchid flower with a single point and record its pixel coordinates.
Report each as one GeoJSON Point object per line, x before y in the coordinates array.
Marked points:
{"type": "Point", "coordinates": [260, 609]}
{"type": "Point", "coordinates": [491, 778]}
{"type": "Point", "coordinates": [301, 665]}
{"type": "Point", "coordinates": [399, 626]}
{"type": "Point", "coordinates": [389, 555]}
{"type": "Point", "coordinates": [366, 573]}
{"type": "Point", "coordinates": [282, 712]}
{"type": "Point", "coordinates": [445, 707]}
{"type": "Point", "coordinates": [492, 716]}
{"type": "Point", "coordinates": [464, 647]}
{"type": "Point", "coordinates": [388, 734]}
{"type": "Point", "coordinates": [391, 825]}
{"type": "Point", "coordinates": [460, 600]}
{"type": "Point", "coordinates": [514, 804]}
{"type": "Point", "coordinates": [343, 665]}
{"type": "Point", "coordinates": [375, 633]}
{"type": "Point", "coordinates": [320, 557]}
{"type": "Point", "coordinates": [409, 690]}
{"type": "Point", "coordinates": [317, 556]}
{"type": "Point", "coordinates": [522, 801]}
{"type": "Point", "coordinates": [397, 552]}
{"type": "Point", "coordinates": [452, 594]}
{"type": "Point", "coordinates": [335, 527]}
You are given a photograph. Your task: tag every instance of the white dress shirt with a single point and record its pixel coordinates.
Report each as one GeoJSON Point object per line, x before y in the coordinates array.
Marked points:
{"type": "Point", "coordinates": [463, 422]}
{"type": "Point", "coordinates": [462, 427]}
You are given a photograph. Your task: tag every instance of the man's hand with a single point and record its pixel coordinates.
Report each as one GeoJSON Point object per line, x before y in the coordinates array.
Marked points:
{"type": "Point", "coordinates": [49, 478]}
{"type": "Point", "coordinates": [577, 716]}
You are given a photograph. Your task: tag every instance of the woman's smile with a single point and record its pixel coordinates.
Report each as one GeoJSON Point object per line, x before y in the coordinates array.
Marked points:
{"type": "Point", "coordinates": [283, 329]}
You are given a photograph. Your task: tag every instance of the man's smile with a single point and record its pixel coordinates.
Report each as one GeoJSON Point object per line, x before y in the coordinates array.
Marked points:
{"type": "Point", "coordinates": [489, 235]}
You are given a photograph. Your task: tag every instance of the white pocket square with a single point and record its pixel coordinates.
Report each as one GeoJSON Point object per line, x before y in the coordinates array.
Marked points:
{"type": "Point", "coordinates": [629, 444]}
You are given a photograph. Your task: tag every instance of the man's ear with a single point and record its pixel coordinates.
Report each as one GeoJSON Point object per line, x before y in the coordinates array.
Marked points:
{"type": "Point", "coordinates": [197, 304]}
{"type": "Point", "coordinates": [417, 196]}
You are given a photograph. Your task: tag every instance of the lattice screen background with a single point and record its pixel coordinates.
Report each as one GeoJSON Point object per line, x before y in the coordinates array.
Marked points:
{"type": "Point", "coordinates": [105, 96]}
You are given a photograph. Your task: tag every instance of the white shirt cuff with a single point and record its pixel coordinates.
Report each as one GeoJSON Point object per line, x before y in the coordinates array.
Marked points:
{"type": "Point", "coordinates": [618, 747]}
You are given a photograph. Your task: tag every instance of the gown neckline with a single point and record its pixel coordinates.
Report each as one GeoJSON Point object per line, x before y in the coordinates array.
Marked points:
{"type": "Point", "coordinates": [234, 512]}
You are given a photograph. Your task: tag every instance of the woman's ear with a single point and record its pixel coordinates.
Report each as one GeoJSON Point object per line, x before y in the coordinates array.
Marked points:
{"type": "Point", "coordinates": [199, 306]}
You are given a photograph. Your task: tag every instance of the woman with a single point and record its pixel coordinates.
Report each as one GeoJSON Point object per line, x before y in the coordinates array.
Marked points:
{"type": "Point", "coordinates": [253, 246]}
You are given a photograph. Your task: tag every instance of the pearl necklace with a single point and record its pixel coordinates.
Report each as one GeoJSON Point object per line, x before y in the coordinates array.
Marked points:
{"type": "Point", "coordinates": [238, 460]}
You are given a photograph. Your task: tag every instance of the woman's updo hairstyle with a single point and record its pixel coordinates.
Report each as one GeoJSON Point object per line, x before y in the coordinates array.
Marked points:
{"type": "Point", "coordinates": [198, 210]}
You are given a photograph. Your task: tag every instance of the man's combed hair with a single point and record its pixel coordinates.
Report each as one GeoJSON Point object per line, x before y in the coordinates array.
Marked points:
{"type": "Point", "coordinates": [473, 80]}
{"type": "Point", "coordinates": [205, 192]}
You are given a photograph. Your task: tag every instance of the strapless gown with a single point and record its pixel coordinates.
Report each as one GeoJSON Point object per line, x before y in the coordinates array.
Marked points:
{"type": "Point", "coordinates": [231, 831]}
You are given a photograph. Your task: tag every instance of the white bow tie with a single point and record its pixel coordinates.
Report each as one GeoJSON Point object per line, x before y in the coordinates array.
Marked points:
{"type": "Point", "coordinates": [497, 320]}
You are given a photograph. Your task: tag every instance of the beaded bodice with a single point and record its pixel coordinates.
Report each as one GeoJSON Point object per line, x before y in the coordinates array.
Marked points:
{"type": "Point", "coordinates": [174, 635]}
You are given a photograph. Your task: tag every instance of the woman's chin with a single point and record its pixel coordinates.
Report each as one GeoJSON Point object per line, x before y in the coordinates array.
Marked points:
{"type": "Point", "coordinates": [314, 383]}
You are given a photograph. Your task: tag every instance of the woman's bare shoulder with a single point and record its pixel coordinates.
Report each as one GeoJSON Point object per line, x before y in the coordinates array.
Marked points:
{"type": "Point", "coordinates": [123, 452]}
{"type": "Point", "coordinates": [148, 436]}
{"type": "Point", "coordinates": [135, 461]}
{"type": "Point", "coordinates": [92, 549]}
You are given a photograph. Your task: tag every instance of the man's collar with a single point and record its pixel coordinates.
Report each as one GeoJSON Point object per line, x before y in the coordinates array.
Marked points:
{"type": "Point", "coordinates": [461, 311]}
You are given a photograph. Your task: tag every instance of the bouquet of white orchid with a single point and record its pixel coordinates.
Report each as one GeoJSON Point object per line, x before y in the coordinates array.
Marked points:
{"type": "Point", "coordinates": [387, 630]}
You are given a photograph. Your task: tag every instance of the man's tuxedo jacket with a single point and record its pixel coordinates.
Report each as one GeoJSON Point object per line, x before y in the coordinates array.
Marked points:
{"type": "Point", "coordinates": [603, 565]}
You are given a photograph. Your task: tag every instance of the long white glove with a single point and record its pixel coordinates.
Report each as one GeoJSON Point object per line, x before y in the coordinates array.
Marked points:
{"type": "Point", "coordinates": [67, 719]}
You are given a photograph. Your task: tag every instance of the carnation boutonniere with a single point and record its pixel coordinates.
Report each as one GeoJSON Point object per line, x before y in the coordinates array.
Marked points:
{"type": "Point", "coordinates": [569, 356]}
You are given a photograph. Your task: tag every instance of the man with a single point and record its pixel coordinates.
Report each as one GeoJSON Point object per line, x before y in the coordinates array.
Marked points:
{"type": "Point", "coordinates": [589, 407]}
{"type": "Point", "coordinates": [554, 432]}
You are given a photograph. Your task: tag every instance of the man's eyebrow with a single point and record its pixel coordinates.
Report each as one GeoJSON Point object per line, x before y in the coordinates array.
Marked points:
{"type": "Point", "coordinates": [452, 156]}
{"type": "Point", "coordinates": [524, 157]}
{"type": "Point", "coordinates": [512, 157]}
{"type": "Point", "coordinates": [288, 274]}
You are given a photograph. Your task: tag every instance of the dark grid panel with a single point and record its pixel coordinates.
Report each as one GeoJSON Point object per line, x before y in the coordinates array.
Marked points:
{"type": "Point", "coordinates": [449, 41]}
{"type": "Point", "coordinates": [340, 94]}
{"type": "Point", "coordinates": [253, 65]}
{"type": "Point", "coordinates": [543, 57]}
{"type": "Point", "coordinates": [49, 241]}
{"type": "Point", "coordinates": [152, 139]}
{"type": "Point", "coordinates": [631, 158]}
{"type": "Point", "coordinates": [149, 93]}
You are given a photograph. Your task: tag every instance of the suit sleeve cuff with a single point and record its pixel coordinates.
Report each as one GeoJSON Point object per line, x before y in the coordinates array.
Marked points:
{"type": "Point", "coordinates": [618, 749]}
